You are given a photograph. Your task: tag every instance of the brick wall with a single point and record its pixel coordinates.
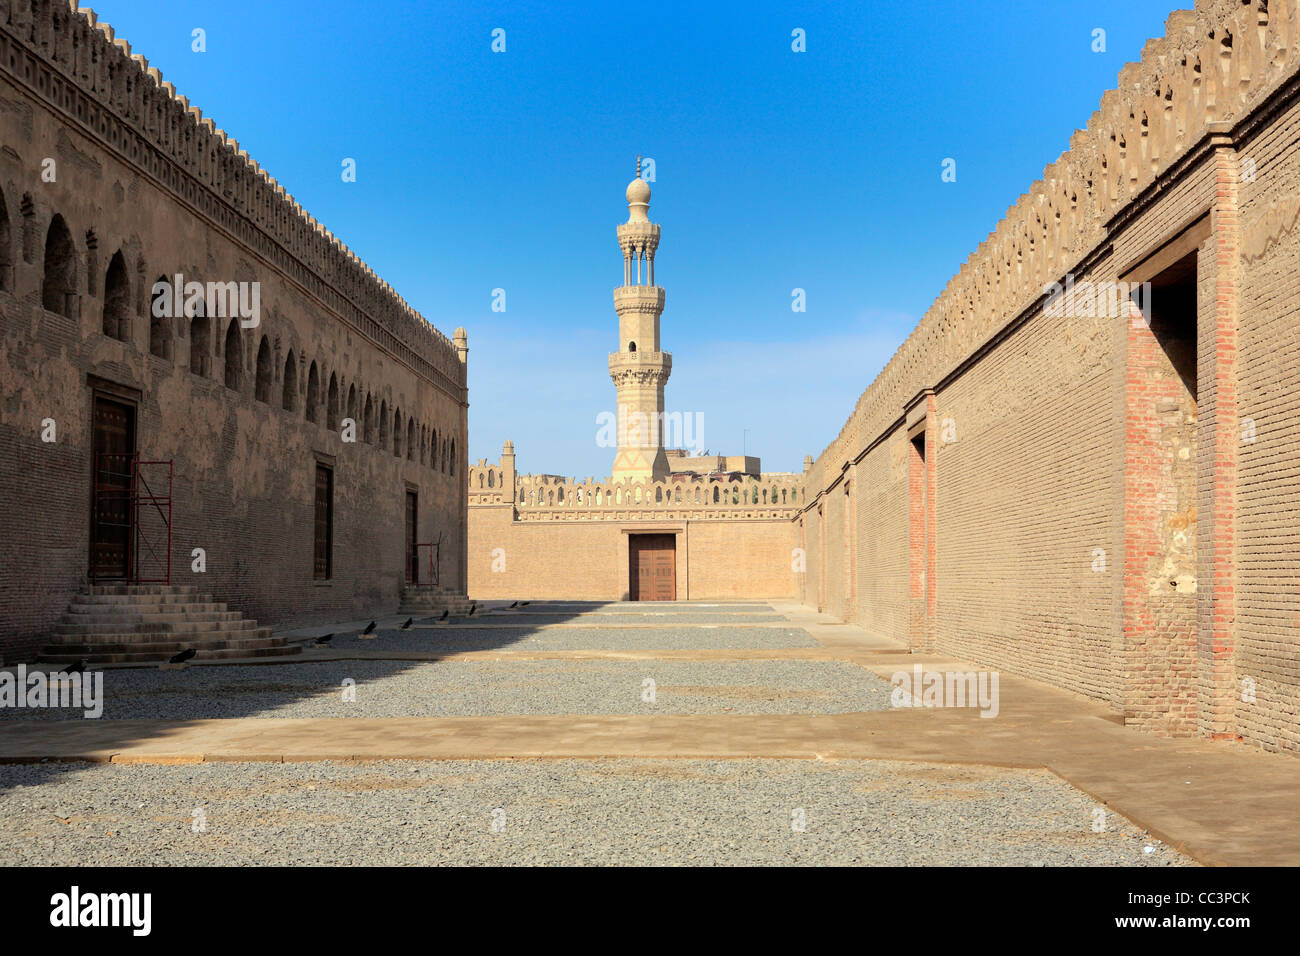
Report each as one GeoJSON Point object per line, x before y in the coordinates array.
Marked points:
{"type": "Point", "coordinates": [1099, 522]}
{"type": "Point", "coordinates": [588, 559]}
{"type": "Point", "coordinates": [244, 468]}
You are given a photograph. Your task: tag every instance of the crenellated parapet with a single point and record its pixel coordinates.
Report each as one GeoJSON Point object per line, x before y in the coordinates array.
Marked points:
{"type": "Point", "coordinates": [1212, 67]}
{"type": "Point", "coordinates": [77, 64]}
{"type": "Point", "coordinates": [559, 498]}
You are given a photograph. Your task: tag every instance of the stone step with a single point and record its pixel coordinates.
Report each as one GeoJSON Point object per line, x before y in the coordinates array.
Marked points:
{"type": "Point", "coordinates": [139, 600]}
{"type": "Point", "coordinates": [159, 637]}
{"type": "Point", "coordinates": [128, 626]}
{"type": "Point", "coordinates": [121, 589]}
{"type": "Point", "coordinates": [78, 608]}
{"type": "Point", "coordinates": [149, 617]}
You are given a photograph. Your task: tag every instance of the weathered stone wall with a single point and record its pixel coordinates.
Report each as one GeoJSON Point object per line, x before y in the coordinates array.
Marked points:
{"type": "Point", "coordinates": [1113, 507]}
{"type": "Point", "coordinates": [139, 174]}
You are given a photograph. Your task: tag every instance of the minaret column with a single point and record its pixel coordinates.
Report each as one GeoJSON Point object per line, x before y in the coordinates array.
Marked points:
{"type": "Point", "coordinates": [639, 368]}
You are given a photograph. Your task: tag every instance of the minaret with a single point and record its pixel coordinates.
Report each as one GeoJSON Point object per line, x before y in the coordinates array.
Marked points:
{"type": "Point", "coordinates": [639, 369]}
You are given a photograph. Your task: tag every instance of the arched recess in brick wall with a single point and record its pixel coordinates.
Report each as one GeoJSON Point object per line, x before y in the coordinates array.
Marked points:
{"type": "Point", "coordinates": [352, 404]}
{"type": "Point", "coordinates": [332, 403]}
{"type": "Point", "coordinates": [160, 330]}
{"type": "Point", "coordinates": [433, 450]}
{"type": "Point", "coordinates": [289, 391]}
{"type": "Point", "coordinates": [451, 459]}
{"type": "Point", "coordinates": [117, 299]}
{"type": "Point", "coordinates": [59, 284]}
{"type": "Point", "coordinates": [383, 423]}
{"type": "Point", "coordinates": [6, 248]}
{"type": "Point", "coordinates": [369, 436]}
{"type": "Point", "coordinates": [200, 340]}
{"type": "Point", "coordinates": [397, 433]}
{"type": "Point", "coordinates": [313, 393]}
{"type": "Point", "coordinates": [262, 383]}
{"type": "Point", "coordinates": [410, 439]}
{"type": "Point", "coordinates": [231, 358]}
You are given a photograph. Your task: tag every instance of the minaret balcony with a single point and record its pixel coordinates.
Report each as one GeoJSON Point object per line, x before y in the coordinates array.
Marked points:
{"type": "Point", "coordinates": [644, 368]}
{"type": "Point", "coordinates": [639, 298]}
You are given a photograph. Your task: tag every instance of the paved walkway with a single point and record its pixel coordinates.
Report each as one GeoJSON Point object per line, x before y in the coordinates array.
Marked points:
{"type": "Point", "coordinates": [1219, 803]}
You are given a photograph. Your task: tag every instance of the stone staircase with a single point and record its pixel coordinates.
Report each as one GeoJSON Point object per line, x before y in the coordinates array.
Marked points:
{"type": "Point", "coordinates": [148, 623]}
{"type": "Point", "coordinates": [430, 600]}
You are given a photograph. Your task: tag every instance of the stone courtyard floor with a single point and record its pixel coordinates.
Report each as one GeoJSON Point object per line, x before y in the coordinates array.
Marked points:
{"type": "Point", "coordinates": [688, 733]}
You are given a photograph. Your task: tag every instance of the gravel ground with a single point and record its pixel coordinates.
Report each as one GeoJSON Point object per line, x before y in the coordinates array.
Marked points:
{"type": "Point", "coordinates": [450, 638]}
{"type": "Point", "coordinates": [483, 688]}
{"type": "Point", "coordinates": [613, 812]}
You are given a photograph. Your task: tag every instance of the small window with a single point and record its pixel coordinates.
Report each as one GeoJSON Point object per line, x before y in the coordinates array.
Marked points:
{"type": "Point", "coordinates": [631, 346]}
{"type": "Point", "coordinates": [232, 360]}
{"type": "Point", "coordinates": [323, 568]}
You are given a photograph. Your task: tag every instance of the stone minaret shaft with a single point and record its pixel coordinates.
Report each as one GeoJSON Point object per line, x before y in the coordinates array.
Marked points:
{"type": "Point", "coordinates": [639, 369]}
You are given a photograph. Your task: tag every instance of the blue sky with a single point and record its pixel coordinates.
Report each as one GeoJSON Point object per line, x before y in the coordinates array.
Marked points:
{"type": "Point", "coordinates": [775, 170]}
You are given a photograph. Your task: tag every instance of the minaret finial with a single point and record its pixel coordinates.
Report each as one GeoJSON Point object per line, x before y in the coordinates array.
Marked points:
{"type": "Point", "coordinates": [638, 165]}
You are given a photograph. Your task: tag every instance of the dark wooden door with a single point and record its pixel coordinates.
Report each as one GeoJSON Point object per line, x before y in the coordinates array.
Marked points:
{"type": "Point", "coordinates": [653, 571]}
{"type": "Point", "coordinates": [113, 454]}
{"type": "Point", "coordinates": [412, 559]}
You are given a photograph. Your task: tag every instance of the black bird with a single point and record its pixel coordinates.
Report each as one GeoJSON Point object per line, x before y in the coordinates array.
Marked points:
{"type": "Point", "coordinates": [325, 639]}
{"type": "Point", "coordinates": [409, 622]}
{"type": "Point", "coordinates": [523, 604]}
{"type": "Point", "coordinates": [77, 668]}
{"type": "Point", "coordinates": [369, 627]}
{"type": "Point", "coordinates": [183, 656]}
{"type": "Point", "coordinates": [443, 615]}
{"type": "Point", "coordinates": [471, 610]}
{"type": "Point", "coordinates": [514, 603]}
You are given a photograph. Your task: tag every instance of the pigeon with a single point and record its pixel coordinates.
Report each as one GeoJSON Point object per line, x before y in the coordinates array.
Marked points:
{"type": "Point", "coordinates": [471, 610]}
{"type": "Point", "coordinates": [514, 603]}
{"type": "Point", "coordinates": [325, 639]}
{"type": "Point", "coordinates": [369, 627]}
{"type": "Point", "coordinates": [443, 615]}
{"type": "Point", "coordinates": [523, 604]}
{"type": "Point", "coordinates": [409, 622]}
{"type": "Point", "coordinates": [183, 656]}
{"type": "Point", "coordinates": [76, 668]}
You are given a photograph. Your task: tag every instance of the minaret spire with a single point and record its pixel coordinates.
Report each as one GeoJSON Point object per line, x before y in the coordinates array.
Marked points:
{"type": "Point", "coordinates": [639, 369]}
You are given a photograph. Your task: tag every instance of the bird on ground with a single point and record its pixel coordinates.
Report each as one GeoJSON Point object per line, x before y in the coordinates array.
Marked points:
{"type": "Point", "coordinates": [183, 656]}
{"type": "Point", "coordinates": [523, 604]}
{"type": "Point", "coordinates": [409, 622]}
{"type": "Point", "coordinates": [325, 639]}
{"type": "Point", "coordinates": [514, 603]}
{"type": "Point", "coordinates": [77, 668]}
{"type": "Point", "coordinates": [369, 628]}
{"type": "Point", "coordinates": [443, 615]}
{"type": "Point", "coordinates": [471, 610]}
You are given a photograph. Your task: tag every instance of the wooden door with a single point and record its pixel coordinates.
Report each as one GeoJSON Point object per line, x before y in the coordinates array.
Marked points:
{"type": "Point", "coordinates": [412, 560]}
{"type": "Point", "coordinates": [111, 514]}
{"type": "Point", "coordinates": [653, 567]}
